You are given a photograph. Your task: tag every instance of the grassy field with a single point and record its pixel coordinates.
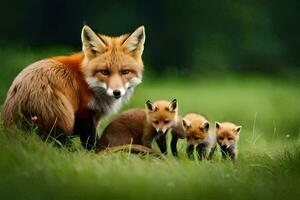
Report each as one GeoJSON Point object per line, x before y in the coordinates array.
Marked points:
{"type": "Point", "coordinates": [268, 166]}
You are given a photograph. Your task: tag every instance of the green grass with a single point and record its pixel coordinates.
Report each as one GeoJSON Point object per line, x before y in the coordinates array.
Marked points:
{"type": "Point", "coordinates": [269, 151]}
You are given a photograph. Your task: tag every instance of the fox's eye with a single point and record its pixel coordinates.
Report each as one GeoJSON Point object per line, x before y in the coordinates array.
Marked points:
{"type": "Point", "coordinates": [104, 72]}
{"type": "Point", "coordinates": [188, 137]}
{"type": "Point", "coordinates": [230, 138]}
{"type": "Point", "coordinates": [197, 138]}
{"type": "Point", "coordinates": [221, 138]}
{"type": "Point", "coordinates": [155, 121]}
{"type": "Point", "coordinates": [167, 121]}
{"type": "Point", "coordinates": [125, 71]}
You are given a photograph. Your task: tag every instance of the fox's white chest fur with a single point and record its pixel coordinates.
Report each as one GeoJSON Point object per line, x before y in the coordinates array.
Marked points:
{"type": "Point", "coordinates": [211, 139]}
{"type": "Point", "coordinates": [105, 105]}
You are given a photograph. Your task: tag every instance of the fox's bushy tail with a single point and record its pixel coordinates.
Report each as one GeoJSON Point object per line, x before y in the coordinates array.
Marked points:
{"type": "Point", "coordinates": [132, 148]}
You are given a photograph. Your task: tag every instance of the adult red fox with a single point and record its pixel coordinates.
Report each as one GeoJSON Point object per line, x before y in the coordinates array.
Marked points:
{"type": "Point", "coordinates": [71, 93]}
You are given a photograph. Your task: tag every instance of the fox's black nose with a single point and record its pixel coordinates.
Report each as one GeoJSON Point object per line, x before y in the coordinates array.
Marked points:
{"type": "Point", "coordinates": [224, 146]}
{"type": "Point", "coordinates": [117, 93]}
{"type": "Point", "coordinates": [160, 132]}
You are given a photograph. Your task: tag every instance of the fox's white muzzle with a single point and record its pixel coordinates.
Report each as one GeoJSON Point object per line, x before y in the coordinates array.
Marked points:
{"type": "Point", "coordinates": [161, 130]}
{"type": "Point", "coordinates": [116, 93]}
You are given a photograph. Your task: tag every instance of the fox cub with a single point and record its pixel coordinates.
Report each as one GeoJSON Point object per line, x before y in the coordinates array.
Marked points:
{"type": "Point", "coordinates": [227, 138]}
{"type": "Point", "coordinates": [196, 128]}
{"type": "Point", "coordinates": [139, 126]}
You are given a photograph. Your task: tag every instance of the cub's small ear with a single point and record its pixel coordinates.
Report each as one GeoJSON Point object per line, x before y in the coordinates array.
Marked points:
{"type": "Point", "coordinates": [150, 106]}
{"type": "Point", "coordinates": [205, 126]}
{"type": "Point", "coordinates": [92, 44]}
{"type": "Point", "coordinates": [173, 105]}
{"type": "Point", "coordinates": [186, 124]}
{"type": "Point", "coordinates": [135, 41]}
{"type": "Point", "coordinates": [238, 129]}
{"type": "Point", "coordinates": [218, 125]}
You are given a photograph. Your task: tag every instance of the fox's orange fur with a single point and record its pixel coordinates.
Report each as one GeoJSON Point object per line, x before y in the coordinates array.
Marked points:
{"type": "Point", "coordinates": [73, 92]}
{"type": "Point", "coordinates": [139, 126]}
{"type": "Point", "coordinates": [227, 138]}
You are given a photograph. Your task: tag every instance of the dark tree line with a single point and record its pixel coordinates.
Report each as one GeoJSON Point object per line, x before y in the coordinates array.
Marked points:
{"type": "Point", "coordinates": [258, 35]}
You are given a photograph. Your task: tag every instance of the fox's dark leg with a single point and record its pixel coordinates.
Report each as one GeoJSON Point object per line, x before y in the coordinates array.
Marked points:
{"type": "Point", "coordinates": [64, 140]}
{"type": "Point", "coordinates": [174, 145]}
{"type": "Point", "coordinates": [85, 127]}
{"type": "Point", "coordinates": [57, 136]}
{"type": "Point", "coordinates": [225, 153]}
{"type": "Point", "coordinates": [201, 150]}
{"type": "Point", "coordinates": [189, 151]}
{"type": "Point", "coordinates": [162, 143]}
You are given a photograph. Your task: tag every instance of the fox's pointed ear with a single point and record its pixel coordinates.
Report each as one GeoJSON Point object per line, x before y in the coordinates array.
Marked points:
{"type": "Point", "coordinates": [218, 125]}
{"type": "Point", "coordinates": [173, 105]}
{"type": "Point", "coordinates": [186, 124]}
{"type": "Point", "coordinates": [92, 44]}
{"type": "Point", "coordinates": [238, 129]}
{"type": "Point", "coordinates": [150, 106]}
{"type": "Point", "coordinates": [205, 126]}
{"type": "Point", "coordinates": [135, 42]}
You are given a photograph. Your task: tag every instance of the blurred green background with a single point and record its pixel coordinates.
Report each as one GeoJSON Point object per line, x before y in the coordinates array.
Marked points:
{"type": "Point", "coordinates": [214, 36]}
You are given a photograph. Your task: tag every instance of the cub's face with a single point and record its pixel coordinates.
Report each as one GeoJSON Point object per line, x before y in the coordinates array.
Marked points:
{"type": "Point", "coordinates": [227, 134]}
{"type": "Point", "coordinates": [113, 65]}
{"type": "Point", "coordinates": [162, 115]}
{"type": "Point", "coordinates": [196, 129]}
